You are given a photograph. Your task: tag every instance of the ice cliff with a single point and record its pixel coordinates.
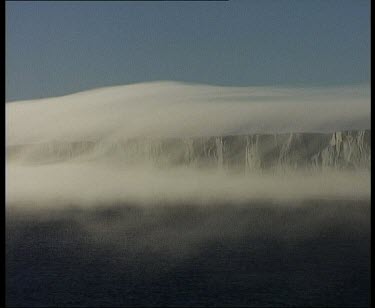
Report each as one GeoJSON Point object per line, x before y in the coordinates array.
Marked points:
{"type": "Point", "coordinates": [249, 153]}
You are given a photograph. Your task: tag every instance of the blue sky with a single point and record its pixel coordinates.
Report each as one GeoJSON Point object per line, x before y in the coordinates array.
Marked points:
{"type": "Point", "coordinates": [56, 48]}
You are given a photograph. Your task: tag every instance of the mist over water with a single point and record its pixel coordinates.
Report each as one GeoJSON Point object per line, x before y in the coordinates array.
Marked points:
{"type": "Point", "coordinates": [87, 185]}
{"type": "Point", "coordinates": [257, 254]}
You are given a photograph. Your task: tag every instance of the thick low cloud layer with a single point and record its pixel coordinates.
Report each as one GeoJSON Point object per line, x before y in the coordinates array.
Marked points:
{"type": "Point", "coordinates": [95, 184]}
{"type": "Point", "coordinates": [165, 109]}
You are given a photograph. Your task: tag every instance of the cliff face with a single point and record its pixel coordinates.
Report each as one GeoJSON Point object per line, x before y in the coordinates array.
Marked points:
{"type": "Point", "coordinates": [248, 153]}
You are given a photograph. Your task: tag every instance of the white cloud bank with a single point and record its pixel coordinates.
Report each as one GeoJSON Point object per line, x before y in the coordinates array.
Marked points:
{"type": "Point", "coordinates": [174, 109]}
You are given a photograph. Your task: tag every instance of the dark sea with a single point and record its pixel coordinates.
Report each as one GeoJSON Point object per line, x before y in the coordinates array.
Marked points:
{"type": "Point", "coordinates": [260, 254]}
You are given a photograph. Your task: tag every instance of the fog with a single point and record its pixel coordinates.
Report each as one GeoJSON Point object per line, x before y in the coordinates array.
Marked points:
{"type": "Point", "coordinates": [188, 195]}
{"type": "Point", "coordinates": [168, 109]}
{"type": "Point", "coordinates": [93, 185]}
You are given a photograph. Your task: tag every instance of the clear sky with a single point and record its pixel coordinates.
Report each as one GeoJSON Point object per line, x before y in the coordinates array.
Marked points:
{"type": "Point", "coordinates": [56, 48]}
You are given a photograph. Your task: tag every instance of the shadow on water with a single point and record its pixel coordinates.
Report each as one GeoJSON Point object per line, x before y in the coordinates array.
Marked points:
{"type": "Point", "coordinates": [264, 254]}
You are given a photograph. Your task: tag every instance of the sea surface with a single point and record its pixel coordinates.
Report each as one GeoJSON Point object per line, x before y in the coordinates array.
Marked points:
{"type": "Point", "coordinates": [261, 253]}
